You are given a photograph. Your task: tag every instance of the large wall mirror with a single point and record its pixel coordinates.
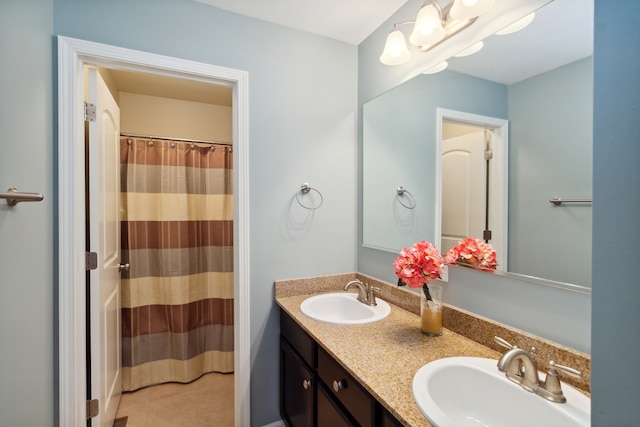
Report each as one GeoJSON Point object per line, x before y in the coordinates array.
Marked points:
{"type": "Point", "coordinates": [539, 81]}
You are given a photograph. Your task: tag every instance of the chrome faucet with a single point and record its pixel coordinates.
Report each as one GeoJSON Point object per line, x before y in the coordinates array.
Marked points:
{"type": "Point", "coordinates": [521, 368]}
{"type": "Point", "coordinates": [366, 292]}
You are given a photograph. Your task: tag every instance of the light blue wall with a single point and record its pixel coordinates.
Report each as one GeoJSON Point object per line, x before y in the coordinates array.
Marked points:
{"type": "Point", "coordinates": [400, 129]}
{"type": "Point", "coordinates": [615, 380]}
{"type": "Point", "coordinates": [550, 154]}
{"type": "Point", "coordinates": [27, 332]}
{"type": "Point", "coordinates": [302, 129]}
{"type": "Point", "coordinates": [496, 296]}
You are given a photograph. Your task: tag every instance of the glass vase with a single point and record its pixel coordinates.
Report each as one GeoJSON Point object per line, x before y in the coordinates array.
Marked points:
{"type": "Point", "coordinates": [431, 311]}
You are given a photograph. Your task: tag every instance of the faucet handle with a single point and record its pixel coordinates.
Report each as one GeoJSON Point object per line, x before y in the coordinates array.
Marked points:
{"type": "Point", "coordinates": [553, 366]}
{"type": "Point", "coordinates": [504, 343]}
{"type": "Point", "coordinates": [552, 382]}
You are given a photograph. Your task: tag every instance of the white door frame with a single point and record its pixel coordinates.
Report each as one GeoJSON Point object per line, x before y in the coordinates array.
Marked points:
{"type": "Point", "coordinates": [73, 54]}
{"type": "Point", "coordinates": [499, 171]}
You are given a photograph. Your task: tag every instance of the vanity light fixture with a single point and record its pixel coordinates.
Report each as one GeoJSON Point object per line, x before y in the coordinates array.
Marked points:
{"type": "Point", "coordinates": [470, 50]}
{"type": "Point", "coordinates": [437, 68]}
{"type": "Point", "coordinates": [432, 26]}
{"type": "Point", "coordinates": [516, 26]}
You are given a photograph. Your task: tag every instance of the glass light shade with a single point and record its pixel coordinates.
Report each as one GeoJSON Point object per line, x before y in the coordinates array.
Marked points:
{"type": "Point", "coordinates": [470, 50]}
{"type": "Point", "coordinates": [517, 26]}
{"type": "Point", "coordinates": [395, 49]}
{"type": "Point", "coordinates": [468, 9]}
{"type": "Point", "coordinates": [428, 29]}
{"type": "Point", "coordinates": [437, 68]}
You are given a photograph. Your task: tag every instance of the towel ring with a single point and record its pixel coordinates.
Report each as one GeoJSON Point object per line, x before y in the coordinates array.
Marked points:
{"type": "Point", "coordinates": [401, 192]}
{"type": "Point", "coordinates": [305, 189]}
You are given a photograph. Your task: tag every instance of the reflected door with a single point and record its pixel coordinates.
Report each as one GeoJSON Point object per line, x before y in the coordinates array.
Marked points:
{"type": "Point", "coordinates": [463, 188]}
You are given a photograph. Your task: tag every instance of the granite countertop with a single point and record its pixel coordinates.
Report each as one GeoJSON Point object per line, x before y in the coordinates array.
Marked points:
{"type": "Point", "coordinates": [384, 356]}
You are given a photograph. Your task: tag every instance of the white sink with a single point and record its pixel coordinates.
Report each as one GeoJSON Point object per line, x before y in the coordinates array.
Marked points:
{"type": "Point", "coordinates": [470, 391]}
{"type": "Point", "coordinates": [342, 308]}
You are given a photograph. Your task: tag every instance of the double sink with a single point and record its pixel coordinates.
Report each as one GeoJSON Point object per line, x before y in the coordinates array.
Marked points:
{"type": "Point", "coordinates": [460, 391]}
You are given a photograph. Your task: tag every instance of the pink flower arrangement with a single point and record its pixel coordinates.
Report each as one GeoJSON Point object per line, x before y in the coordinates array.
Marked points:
{"type": "Point", "coordinates": [417, 265]}
{"type": "Point", "coordinates": [474, 253]}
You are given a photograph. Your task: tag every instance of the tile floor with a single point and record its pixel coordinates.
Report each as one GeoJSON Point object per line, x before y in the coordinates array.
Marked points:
{"type": "Point", "coordinates": [206, 402]}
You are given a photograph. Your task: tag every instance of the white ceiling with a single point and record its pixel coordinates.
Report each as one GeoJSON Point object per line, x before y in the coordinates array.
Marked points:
{"type": "Point", "coordinates": [350, 21]}
{"type": "Point", "coordinates": [561, 33]}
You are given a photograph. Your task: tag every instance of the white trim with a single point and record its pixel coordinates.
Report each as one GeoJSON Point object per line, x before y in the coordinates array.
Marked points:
{"type": "Point", "coordinates": [72, 55]}
{"type": "Point", "coordinates": [499, 170]}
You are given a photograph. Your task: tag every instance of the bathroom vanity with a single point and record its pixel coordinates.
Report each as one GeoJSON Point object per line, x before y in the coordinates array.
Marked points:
{"type": "Point", "coordinates": [309, 374]}
{"type": "Point", "coordinates": [337, 375]}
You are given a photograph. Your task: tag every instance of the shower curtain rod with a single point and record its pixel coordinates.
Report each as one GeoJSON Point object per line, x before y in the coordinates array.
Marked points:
{"type": "Point", "coordinates": [165, 138]}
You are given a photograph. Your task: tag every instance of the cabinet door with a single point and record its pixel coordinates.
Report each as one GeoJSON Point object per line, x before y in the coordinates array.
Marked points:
{"type": "Point", "coordinates": [389, 420]}
{"type": "Point", "coordinates": [329, 414]}
{"type": "Point", "coordinates": [297, 388]}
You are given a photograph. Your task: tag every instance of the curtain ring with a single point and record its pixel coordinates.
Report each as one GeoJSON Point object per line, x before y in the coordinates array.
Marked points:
{"type": "Point", "coordinates": [305, 189]}
{"type": "Point", "coordinates": [401, 192]}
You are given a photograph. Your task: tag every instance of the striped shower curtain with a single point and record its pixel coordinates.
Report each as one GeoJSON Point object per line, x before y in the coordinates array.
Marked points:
{"type": "Point", "coordinates": [177, 236]}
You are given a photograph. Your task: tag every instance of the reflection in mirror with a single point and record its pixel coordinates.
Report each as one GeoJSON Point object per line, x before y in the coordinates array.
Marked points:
{"type": "Point", "coordinates": [474, 180]}
{"type": "Point", "coordinates": [549, 112]}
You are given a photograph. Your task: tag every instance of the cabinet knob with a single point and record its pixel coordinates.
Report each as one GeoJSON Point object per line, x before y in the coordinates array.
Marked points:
{"type": "Point", "coordinates": [306, 384]}
{"type": "Point", "coordinates": [338, 385]}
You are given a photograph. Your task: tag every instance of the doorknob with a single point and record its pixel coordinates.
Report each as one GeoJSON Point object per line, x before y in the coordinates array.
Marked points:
{"type": "Point", "coordinates": [123, 267]}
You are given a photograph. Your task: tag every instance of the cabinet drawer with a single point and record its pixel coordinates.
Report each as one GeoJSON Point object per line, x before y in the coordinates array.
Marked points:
{"type": "Point", "coordinates": [298, 338]}
{"type": "Point", "coordinates": [353, 397]}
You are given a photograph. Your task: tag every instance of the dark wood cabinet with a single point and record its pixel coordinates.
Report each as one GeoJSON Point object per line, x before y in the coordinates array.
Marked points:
{"type": "Point", "coordinates": [297, 388]}
{"type": "Point", "coordinates": [389, 420]}
{"type": "Point", "coordinates": [345, 390]}
{"type": "Point", "coordinates": [316, 391]}
{"type": "Point", "coordinates": [329, 414]}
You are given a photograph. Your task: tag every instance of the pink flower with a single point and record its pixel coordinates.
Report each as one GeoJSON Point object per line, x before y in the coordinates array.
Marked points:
{"type": "Point", "coordinates": [418, 264]}
{"type": "Point", "coordinates": [474, 253]}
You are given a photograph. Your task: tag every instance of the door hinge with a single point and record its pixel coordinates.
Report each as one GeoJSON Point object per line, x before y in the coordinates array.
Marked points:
{"type": "Point", "coordinates": [93, 407]}
{"type": "Point", "coordinates": [488, 154]}
{"type": "Point", "coordinates": [486, 235]}
{"type": "Point", "coordinates": [90, 261]}
{"type": "Point", "coordinates": [89, 112]}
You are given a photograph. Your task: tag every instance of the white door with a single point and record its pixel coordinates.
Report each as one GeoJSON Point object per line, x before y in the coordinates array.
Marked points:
{"type": "Point", "coordinates": [104, 239]}
{"type": "Point", "coordinates": [463, 188]}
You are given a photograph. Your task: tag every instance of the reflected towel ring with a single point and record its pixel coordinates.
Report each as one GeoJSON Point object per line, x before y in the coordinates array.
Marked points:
{"type": "Point", "coordinates": [305, 189]}
{"type": "Point", "coordinates": [401, 192]}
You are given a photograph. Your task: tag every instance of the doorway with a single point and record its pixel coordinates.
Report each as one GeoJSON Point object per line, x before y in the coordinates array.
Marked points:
{"type": "Point", "coordinates": [494, 192]}
{"type": "Point", "coordinates": [73, 55]}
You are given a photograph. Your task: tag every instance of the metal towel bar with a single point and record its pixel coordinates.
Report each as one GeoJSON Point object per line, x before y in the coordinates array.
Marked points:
{"type": "Point", "coordinates": [558, 201]}
{"type": "Point", "coordinates": [14, 197]}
